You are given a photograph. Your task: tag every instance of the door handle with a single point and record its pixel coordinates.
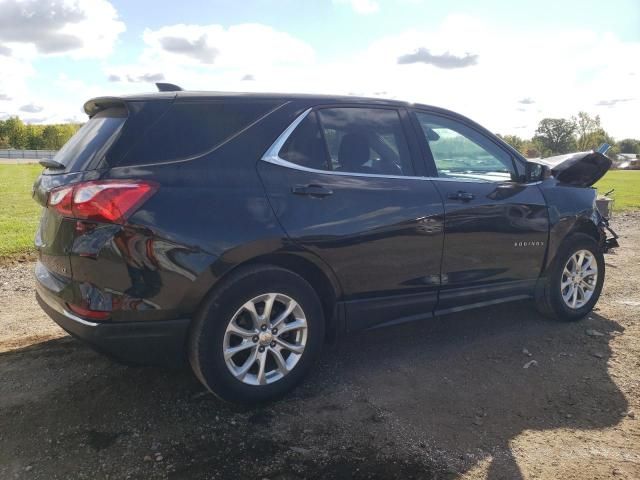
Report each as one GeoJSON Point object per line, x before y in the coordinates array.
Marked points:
{"type": "Point", "coordinates": [312, 190]}
{"type": "Point", "coordinates": [460, 195]}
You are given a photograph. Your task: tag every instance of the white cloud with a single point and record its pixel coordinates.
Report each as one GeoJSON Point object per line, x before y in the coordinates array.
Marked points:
{"type": "Point", "coordinates": [135, 75]}
{"type": "Point", "coordinates": [30, 29]}
{"type": "Point", "coordinates": [562, 71]}
{"type": "Point", "coordinates": [82, 29]}
{"type": "Point", "coordinates": [246, 44]}
{"type": "Point", "coordinates": [508, 80]}
{"type": "Point", "coordinates": [35, 120]}
{"type": "Point", "coordinates": [13, 88]}
{"type": "Point", "coordinates": [31, 108]}
{"type": "Point", "coordinates": [443, 60]}
{"type": "Point", "coordinates": [363, 7]}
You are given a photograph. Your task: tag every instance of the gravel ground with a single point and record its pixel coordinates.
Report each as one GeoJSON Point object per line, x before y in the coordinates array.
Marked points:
{"type": "Point", "coordinates": [498, 393]}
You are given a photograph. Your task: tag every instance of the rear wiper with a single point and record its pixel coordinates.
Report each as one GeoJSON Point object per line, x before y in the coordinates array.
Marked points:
{"type": "Point", "coordinates": [52, 164]}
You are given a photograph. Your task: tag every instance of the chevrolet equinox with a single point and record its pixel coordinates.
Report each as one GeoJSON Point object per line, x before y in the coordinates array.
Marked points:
{"type": "Point", "coordinates": [243, 231]}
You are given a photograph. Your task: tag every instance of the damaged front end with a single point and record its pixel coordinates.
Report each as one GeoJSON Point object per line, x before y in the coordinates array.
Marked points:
{"type": "Point", "coordinates": [608, 237]}
{"type": "Point", "coordinates": [584, 169]}
{"type": "Point", "coordinates": [581, 169]}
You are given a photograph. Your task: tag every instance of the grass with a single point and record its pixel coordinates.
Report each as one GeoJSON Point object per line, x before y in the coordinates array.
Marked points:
{"type": "Point", "coordinates": [19, 214]}
{"type": "Point", "coordinates": [627, 189]}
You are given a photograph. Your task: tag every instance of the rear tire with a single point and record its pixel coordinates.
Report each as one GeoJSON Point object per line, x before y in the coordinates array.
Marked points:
{"type": "Point", "coordinates": [573, 283]}
{"type": "Point", "coordinates": [238, 343]}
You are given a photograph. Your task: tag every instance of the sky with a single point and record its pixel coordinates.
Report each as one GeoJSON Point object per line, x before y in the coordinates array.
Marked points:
{"type": "Point", "coordinates": [505, 64]}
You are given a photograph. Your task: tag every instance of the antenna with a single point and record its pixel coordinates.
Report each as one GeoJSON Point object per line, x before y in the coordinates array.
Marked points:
{"type": "Point", "coordinates": [168, 87]}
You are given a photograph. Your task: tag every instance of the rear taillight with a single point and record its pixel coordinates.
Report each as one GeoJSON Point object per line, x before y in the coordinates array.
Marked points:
{"type": "Point", "coordinates": [109, 201]}
{"type": "Point", "coordinates": [60, 199]}
{"type": "Point", "coordinates": [88, 313]}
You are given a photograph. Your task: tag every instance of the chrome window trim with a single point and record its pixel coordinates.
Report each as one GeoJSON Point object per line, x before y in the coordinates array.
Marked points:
{"type": "Point", "coordinates": [272, 155]}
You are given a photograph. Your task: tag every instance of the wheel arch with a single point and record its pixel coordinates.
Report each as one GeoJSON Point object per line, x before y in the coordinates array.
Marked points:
{"type": "Point", "coordinates": [586, 226]}
{"type": "Point", "coordinates": [308, 266]}
{"type": "Point", "coordinates": [548, 285]}
{"type": "Point", "coordinates": [321, 279]}
{"type": "Point", "coordinates": [564, 229]}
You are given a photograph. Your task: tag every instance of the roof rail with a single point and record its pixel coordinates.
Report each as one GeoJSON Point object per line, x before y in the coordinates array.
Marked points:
{"type": "Point", "coordinates": [168, 87]}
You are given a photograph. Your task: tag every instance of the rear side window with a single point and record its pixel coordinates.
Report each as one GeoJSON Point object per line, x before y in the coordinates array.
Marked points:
{"type": "Point", "coordinates": [351, 140]}
{"type": "Point", "coordinates": [189, 129]}
{"type": "Point", "coordinates": [90, 144]}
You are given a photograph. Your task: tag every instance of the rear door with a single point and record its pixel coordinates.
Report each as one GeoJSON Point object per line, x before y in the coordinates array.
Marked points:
{"type": "Point", "coordinates": [496, 228]}
{"type": "Point", "coordinates": [342, 183]}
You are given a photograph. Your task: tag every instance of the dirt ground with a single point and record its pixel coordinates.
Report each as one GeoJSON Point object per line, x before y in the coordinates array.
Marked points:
{"type": "Point", "coordinates": [458, 397]}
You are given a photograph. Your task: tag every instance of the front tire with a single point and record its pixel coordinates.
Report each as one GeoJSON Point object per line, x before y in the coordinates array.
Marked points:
{"type": "Point", "coordinates": [574, 282]}
{"type": "Point", "coordinates": [257, 336]}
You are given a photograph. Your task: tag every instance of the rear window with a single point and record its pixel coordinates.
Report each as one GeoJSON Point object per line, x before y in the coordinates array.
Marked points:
{"type": "Point", "coordinates": [89, 145]}
{"type": "Point", "coordinates": [189, 129]}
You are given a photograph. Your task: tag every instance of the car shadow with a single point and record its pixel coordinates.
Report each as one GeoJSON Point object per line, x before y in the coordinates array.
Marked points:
{"type": "Point", "coordinates": [468, 384]}
{"type": "Point", "coordinates": [423, 400]}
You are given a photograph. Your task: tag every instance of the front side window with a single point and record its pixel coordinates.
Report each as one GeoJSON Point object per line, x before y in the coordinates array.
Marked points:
{"type": "Point", "coordinates": [350, 140]}
{"type": "Point", "coordinates": [460, 152]}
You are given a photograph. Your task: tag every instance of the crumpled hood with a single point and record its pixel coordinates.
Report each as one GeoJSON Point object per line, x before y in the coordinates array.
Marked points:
{"type": "Point", "coordinates": [581, 169]}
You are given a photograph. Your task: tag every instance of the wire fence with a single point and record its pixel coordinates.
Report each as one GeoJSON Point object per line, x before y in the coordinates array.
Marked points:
{"type": "Point", "coordinates": [25, 155]}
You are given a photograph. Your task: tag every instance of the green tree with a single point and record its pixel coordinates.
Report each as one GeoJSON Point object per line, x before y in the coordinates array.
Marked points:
{"type": "Point", "coordinates": [51, 137]}
{"type": "Point", "coordinates": [515, 141]}
{"type": "Point", "coordinates": [66, 131]}
{"type": "Point", "coordinates": [599, 137]}
{"type": "Point", "coordinates": [531, 149]}
{"type": "Point", "coordinates": [4, 139]}
{"type": "Point", "coordinates": [14, 131]}
{"type": "Point", "coordinates": [33, 135]}
{"type": "Point", "coordinates": [586, 128]}
{"type": "Point", "coordinates": [629, 145]}
{"type": "Point", "coordinates": [556, 136]}
{"type": "Point", "coordinates": [15, 134]}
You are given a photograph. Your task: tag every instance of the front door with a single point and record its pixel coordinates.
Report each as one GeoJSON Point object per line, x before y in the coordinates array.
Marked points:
{"type": "Point", "coordinates": [343, 185]}
{"type": "Point", "coordinates": [495, 227]}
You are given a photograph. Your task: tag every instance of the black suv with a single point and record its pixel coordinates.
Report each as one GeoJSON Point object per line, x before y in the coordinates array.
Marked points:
{"type": "Point", "coordinates": [243, 231]}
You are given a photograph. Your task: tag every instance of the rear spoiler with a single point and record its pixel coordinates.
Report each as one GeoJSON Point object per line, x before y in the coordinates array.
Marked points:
{"type": "Point", "coordinates": [96, 105]}
{"type": "Point", "coordinates": [168, 87]}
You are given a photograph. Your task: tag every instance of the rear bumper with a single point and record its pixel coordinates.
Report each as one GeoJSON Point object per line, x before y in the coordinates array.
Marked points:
{"type": "Point", "coordinates": [140, 343]}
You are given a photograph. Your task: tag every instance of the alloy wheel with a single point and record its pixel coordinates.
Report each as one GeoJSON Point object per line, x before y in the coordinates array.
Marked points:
{"type": "Point", "coordinates": [579, 278]}
{"type": "Point", "coordinates": [265, 339]}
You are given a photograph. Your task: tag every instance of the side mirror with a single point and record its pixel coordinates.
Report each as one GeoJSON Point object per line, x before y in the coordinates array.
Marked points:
{"type": "Point", "coordinates": [535, 172]}
{"type": "Point", "coordinates": [431, 134]}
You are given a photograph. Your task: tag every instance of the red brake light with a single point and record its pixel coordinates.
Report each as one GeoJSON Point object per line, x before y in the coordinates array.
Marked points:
{"type": "Point", "coordinates": [87, 313]}
{"type": "Point", "coordinates": [61, 199]}
{"type": "Point", "coordinates": [102, 201]}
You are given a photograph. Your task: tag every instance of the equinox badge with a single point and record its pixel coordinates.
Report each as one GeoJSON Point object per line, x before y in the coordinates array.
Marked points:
{"type": "Point", "coordinates": [529, 244]}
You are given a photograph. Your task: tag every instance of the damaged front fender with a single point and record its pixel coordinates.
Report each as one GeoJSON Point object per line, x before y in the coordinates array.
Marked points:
{"type": "Point", "coordinates": [608, 242]}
